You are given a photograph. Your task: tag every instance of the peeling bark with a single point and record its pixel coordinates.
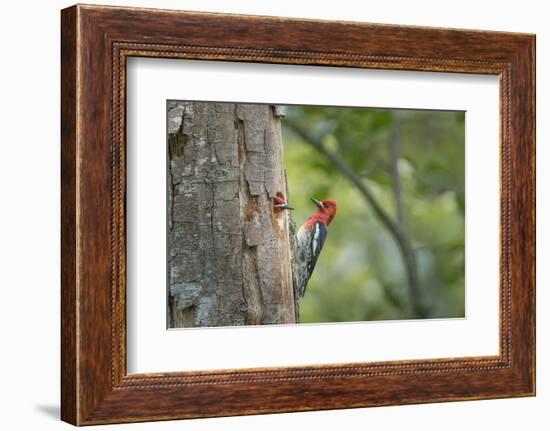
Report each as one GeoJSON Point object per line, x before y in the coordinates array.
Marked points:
{"type": "Point", "coordinates": [229, 253]}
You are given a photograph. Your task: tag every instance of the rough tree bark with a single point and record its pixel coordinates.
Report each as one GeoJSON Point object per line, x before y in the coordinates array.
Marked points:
{"type": "Point", "coordinates": [229, 253]}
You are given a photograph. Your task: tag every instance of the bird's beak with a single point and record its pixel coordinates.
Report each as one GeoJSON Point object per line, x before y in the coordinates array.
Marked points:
{"type": "Point", "coordinates": [316, 202]}
{"type": "Point", "coordinates": [284, 207]}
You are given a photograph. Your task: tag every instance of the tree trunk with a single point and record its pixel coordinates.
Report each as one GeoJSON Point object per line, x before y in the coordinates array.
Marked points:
{"type": "Point", "coordinates": [407, 250]}
{"type": "Point", "coordinates": [229, 255]}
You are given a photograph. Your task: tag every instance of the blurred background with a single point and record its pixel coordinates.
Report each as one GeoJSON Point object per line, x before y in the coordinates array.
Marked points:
{"type": "Point", "coordinates": [396, 247]}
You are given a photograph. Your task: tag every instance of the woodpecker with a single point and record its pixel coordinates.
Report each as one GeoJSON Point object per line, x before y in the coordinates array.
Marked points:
{"type": "Point", "coordinates": [279, 204]}
{"type": "Point", "coordinates": [310, 239]}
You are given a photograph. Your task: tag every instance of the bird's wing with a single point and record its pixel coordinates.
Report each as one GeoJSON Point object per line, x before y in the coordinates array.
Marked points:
{"type": "Point", "coordinates": [308, 253]}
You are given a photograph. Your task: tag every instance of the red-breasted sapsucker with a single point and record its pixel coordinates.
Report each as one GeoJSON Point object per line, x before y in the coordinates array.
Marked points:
{"type": "Point", "coordinates": [310, 239]}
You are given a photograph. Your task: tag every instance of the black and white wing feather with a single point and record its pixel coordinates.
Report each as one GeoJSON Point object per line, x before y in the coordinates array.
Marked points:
{"type": "Point", "coordinates": [309, 244]}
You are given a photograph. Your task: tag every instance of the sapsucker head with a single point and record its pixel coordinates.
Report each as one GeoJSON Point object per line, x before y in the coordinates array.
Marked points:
{"type": "Point", "coordinates": [279, 204]}
{"type": "Point", "coordinates": [326, 208]}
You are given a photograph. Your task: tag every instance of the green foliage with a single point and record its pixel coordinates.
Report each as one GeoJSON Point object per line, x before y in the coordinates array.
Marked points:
{"type": "Point", "coordinates": [361, 274]}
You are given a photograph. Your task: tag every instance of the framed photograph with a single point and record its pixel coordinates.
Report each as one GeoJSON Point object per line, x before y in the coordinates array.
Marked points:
{"type": "Point", "coordinates": [264, 215]}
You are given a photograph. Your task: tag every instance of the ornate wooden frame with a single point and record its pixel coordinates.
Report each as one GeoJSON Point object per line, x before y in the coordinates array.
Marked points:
{"type": "Point", "coordinates": [95, 43]}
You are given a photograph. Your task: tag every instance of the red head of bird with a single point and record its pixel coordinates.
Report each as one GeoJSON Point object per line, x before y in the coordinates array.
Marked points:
{"type": "Point", "coordinates": [326, 211]}
{"type": "Point", "coordinates": [279, 204]}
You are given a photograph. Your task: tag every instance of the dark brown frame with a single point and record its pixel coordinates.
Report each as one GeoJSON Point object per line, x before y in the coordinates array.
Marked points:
{"type": "Point", "coordinates": [95, 43]}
